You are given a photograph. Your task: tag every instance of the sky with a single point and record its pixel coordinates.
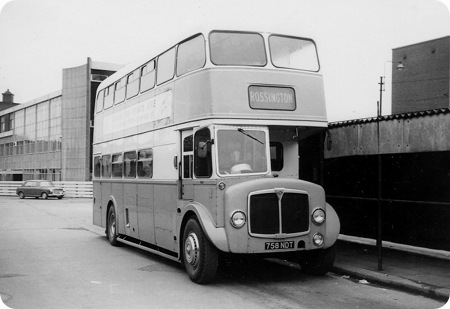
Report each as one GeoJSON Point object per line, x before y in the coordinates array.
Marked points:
{"type": "Point", "coordinates": [355, 38]}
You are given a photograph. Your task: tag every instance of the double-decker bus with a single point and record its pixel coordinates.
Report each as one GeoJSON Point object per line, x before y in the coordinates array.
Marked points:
{"type": "Point", "coordinates": [215, 146]}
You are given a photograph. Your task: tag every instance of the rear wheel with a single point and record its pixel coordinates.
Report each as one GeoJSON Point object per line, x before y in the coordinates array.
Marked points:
{"type": "Point", "coordinates": [111, 228]}
{"type": "Point", "coordinates": [21, 195]}
{"type": "Point", "coordinates": [200, 257]}
{"type": "Point", "coordinates": [44, 195]}
{"type": "Point", "coordinates": [318, 262]}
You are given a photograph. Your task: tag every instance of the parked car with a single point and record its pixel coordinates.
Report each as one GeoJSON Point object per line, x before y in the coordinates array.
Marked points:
{"type": "Point", "coordinates": [39, 188]}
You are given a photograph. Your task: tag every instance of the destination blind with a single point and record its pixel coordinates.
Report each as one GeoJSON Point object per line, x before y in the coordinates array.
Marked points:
{"type": "Point", "coordinates": [267, 97]}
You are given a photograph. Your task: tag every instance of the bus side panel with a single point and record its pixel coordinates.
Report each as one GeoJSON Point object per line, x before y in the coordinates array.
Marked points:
{"type": "Point", "coordinates": [117, 193]}
{"type": "Point", "coordinates": [97, 206]}
{"type": "Point", "coordinates": [165, 199]}
{"type": "Point", "coordinates": [146, 221]}
{"type": "Point", "coordinates": [131, 211]}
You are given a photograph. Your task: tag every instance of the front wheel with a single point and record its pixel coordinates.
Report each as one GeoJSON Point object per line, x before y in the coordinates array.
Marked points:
{"type": "Point", "coordinates": [318, 262]}
{"type": "Point", "coordinates": [44, 195]}
{"type": "Point", "coordinates": [200, 256]}
{"type": "Point", "coordinates": [111, 228]}
{"type": "Point", "coordinates": [21, 195]}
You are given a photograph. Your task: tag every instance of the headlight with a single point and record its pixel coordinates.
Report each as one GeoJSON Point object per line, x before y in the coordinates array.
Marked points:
{"type": "Point", "coordinates": [318, 239]}
{"type": "Point", "coordinates": [238, 219]}
{"type": "Point", "coordinates": [318, 216]}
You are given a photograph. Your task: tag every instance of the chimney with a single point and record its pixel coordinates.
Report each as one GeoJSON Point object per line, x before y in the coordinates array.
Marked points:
{"type": "Point", "coordinates": [8, 97]}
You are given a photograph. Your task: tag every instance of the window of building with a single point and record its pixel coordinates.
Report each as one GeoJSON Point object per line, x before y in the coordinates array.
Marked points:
{"type": "Point", "coordinates": [166, 66]}
{"type": "Point", "coordinates": [20, 147]}
{"type": "Point", "coordinates": [5, 123]}
{"type": "Point", "coordinates": [55, 125]}
{"type": "Point", "coordinates": [191, 55]}
{"type": "Point", "coordinates": [42, 126]}
{"type": "Point", "coordinates": [148, 76]}
{"type": "Point", "coordinates": [145, 163]}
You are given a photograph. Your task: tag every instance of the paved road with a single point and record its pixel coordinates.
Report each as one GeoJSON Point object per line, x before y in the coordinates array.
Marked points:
{"type": "Point", "coordinates": [52, 257]}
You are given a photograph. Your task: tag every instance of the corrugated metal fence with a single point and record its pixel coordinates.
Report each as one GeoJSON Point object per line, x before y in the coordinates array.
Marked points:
{"type": "Point", "coordinates": [80, 189]}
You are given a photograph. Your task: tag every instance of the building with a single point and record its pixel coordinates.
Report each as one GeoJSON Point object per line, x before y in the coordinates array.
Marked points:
{"type": "Point", "coordinates": [399, 161]}
{"type": "Point", "coordinates": [424, 82]}
{"type": "Point", "coordinates": [51, 137]}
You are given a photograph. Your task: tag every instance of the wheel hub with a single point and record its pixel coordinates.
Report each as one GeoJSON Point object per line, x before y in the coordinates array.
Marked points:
{"type": "Point", "coordinates": [191, 249]}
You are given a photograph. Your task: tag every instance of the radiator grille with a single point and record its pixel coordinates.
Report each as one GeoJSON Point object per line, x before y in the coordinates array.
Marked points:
{"type": "Point", "coordinates": [266, 209]}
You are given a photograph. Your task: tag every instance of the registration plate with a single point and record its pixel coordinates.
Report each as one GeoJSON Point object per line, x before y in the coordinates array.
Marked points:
{"type": "Point", "coordinates": [277, 245]}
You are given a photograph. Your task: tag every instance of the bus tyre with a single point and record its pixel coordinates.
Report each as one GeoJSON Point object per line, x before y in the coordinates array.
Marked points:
{"type": "Point", "coordinates": [318, 262]}
{"type": "Point", "coordinates": [111, 228]}
{"type": "Point", "coordinates": [200, 257]}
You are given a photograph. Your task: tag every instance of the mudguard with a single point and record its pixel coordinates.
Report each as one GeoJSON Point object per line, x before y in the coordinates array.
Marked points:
{"type": "Point", "coordinates": [215, 234]}
{"type": "Point", "coordinates": [333, 226]}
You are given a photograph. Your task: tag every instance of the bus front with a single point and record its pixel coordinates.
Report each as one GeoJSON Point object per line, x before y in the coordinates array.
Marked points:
{"type": "Point", "coordinates": [257, 154]}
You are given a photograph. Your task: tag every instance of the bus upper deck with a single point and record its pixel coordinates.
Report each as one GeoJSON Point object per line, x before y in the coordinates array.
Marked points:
{"type": "Point", "coordinates": [245, 75]}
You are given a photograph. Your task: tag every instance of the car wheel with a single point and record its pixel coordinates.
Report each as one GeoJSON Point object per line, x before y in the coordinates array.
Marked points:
{"type": "Point", "coordinates": [111, 228]}
{"type": "Point", "coordinates": [200, 257]}
{"type": "Point", "coordinates": [60, 197]}
{"type": "Point", "coordinates": [21, 195]}
{"type": "Point", "coordinates": [44, 195]}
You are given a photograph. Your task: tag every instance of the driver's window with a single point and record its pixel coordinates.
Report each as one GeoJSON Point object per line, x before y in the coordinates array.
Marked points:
{"type": "Point", "coordinates": [202, 153]}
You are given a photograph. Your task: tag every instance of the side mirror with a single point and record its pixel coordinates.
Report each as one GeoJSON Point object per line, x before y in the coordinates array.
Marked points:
{"type": "Point", "coordinates": [202, 150]}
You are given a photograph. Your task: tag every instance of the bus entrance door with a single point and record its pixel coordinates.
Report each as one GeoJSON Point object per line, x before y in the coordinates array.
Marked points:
{"type": "Point", "coordinates": [187, 165]}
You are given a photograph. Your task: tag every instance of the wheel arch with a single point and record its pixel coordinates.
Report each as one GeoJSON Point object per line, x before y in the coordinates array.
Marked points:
{"type": "Point", "coordinates": [111, 203]}
{"type": "Point", "coordinates": [216, 235]}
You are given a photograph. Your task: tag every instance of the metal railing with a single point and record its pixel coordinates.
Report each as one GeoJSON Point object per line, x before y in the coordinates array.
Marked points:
{"type": "Point", "coordinates": [74, 189]}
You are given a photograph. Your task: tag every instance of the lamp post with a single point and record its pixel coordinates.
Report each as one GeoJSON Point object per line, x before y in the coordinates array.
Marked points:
{"type": "Point", "coordinates": [400, 67]}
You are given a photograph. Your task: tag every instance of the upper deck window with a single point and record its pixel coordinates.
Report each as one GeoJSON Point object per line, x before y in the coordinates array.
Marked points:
{"type": "Point", "coordinates": [293, 53]}
{"type": "Point", "coordinates": [109, 97]}
{"type": "Point", "coordinates": [191, 55]}
{"type": "Point", "coordinates": [148, 76]}
{"type": "Point", "coordinates": [237, 48]}
{"type": "Point", "coordinates": [133, 83]}
{"type": "Point", "coordinates": [166, 66]}
{"type": "Point", "coordinates": [119, 95]}
{"type": "Point", "coordinates": [99, 103]}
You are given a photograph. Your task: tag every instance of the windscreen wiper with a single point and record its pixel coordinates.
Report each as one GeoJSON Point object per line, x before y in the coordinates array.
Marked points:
{"type": "Point", "coordinates": [249, 135]}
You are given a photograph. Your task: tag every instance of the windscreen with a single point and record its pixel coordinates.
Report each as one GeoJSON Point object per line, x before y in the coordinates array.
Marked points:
{"type": "Point", "coordinates": [241, 151]}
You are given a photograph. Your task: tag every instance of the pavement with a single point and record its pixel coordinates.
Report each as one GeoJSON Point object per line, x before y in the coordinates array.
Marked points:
{"type": "Point", "coordinates": [415, 270]}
